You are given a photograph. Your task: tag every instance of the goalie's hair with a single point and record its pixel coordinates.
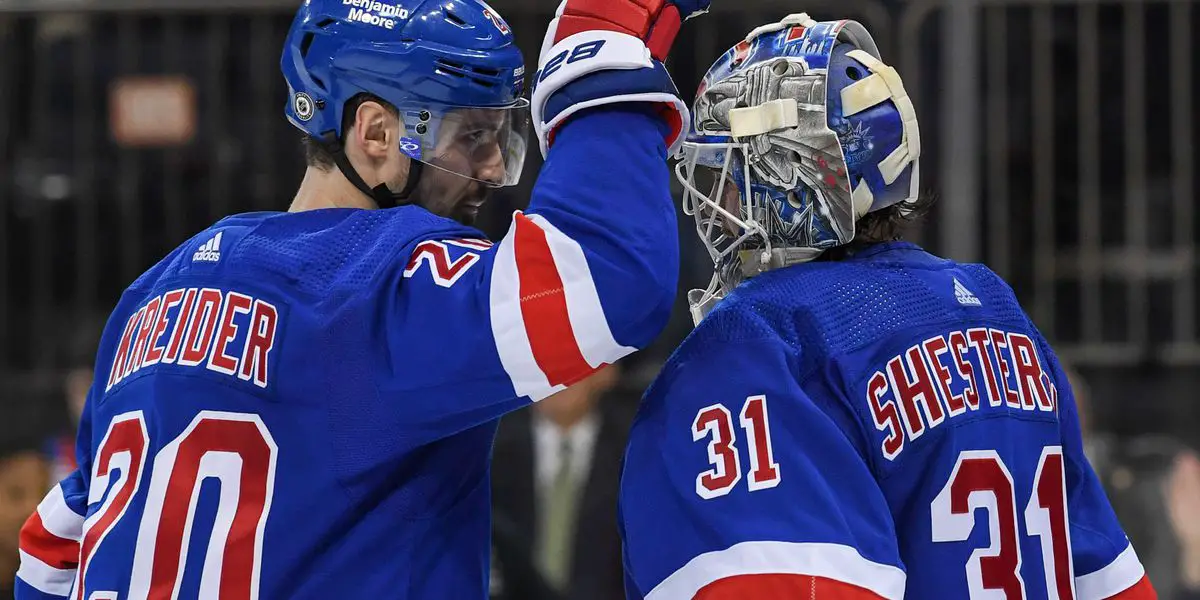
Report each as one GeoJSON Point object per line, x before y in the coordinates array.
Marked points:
{"type": "Point", "coordinates": [887, 225]}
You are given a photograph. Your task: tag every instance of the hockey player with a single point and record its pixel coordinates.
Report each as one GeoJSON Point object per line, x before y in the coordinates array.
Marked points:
{"type": "Point", "coordinates": [302, 404]}
{"type": "Point", "coordinates": [856, 418]}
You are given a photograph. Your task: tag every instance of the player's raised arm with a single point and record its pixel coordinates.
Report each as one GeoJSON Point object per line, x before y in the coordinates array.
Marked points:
{"type": "Point", "coordinates": [801, 518]}
{"type": "Point", "coordinates": [587, 275]}
{"type": "Point", "coordinates": [1103, 562]}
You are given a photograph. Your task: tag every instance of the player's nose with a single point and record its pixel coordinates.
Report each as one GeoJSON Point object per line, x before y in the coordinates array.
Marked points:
{"type": "Point", "coordinates": [490, 166]}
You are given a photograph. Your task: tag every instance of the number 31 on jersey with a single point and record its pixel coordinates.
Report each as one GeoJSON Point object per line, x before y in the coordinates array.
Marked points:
{"type": "Point", "coordinates": [981, 479]}
{"type": "Point", "coordinates": [716, 424]}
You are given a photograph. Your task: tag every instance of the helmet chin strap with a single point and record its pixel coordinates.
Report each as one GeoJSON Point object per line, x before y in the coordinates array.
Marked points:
{"type": "Point", "coordinates": [382, 196]}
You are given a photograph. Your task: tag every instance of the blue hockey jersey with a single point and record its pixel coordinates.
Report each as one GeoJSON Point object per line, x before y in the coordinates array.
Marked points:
{"type": "Point", "coordinates": [888, 426]}
{"type": "Point", "coordinates": [303, 405]}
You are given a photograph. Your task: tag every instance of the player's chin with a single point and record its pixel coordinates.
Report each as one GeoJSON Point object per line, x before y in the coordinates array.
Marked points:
{"type": "Point", "coordinates": [467, 214]}
{"type": "Point", "coordinates": [467, 210]}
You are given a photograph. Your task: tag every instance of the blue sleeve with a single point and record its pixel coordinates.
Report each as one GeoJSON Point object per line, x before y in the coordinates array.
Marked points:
{"type": "Point", "coordinates": [737, 483]}
{"type": "Point", "coordinates": [1103, 561]}
{"type": "Point", "coordinates": [606, 185]}
{"type": "Point", "coordinates": [584, 277]}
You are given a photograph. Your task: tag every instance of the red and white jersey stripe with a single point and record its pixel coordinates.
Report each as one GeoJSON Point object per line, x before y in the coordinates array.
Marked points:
{"type": "Point", "coordinates": [764, 569]}
{"type": "Point", "coordinates": [549, 326]}
{"type": "Point", "coordinates": [1124, 574]}
{"type": "Point", "coordinates": [50, 545]}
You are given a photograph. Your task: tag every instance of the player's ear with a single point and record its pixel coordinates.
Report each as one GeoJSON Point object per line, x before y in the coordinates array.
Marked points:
{"type": "Point", "coordinates": [372, 130]}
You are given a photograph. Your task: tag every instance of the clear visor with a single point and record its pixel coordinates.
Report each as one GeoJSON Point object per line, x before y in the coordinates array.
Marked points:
{"type": "Point", "coordinates": [484, 144]}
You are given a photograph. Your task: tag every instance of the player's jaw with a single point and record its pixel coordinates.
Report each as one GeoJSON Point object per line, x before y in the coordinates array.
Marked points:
{"type": "Point", "coordinates": [466, 211]}
{"type": "Point", "coordinates": [452, 196]}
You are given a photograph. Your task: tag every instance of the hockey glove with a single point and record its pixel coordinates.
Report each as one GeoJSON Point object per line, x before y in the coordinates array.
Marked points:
{"type": "Point", "coordinates": [600, 52]}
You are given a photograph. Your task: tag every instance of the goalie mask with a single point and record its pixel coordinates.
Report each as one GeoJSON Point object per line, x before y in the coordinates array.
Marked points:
{"type": "Point", "coordinates": [797, 132]}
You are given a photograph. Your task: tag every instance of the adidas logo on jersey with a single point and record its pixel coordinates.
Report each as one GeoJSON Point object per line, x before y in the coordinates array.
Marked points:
{"type": "Point", "coordinates": [210, 251]}
{"type": "Point", "coordinates": [965, 297]}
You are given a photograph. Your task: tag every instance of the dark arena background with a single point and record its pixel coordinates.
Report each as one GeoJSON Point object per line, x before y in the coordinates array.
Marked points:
{"type": "Point", "coordinates": [1058, 135]}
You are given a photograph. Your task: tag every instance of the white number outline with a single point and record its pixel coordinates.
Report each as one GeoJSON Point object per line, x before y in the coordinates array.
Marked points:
{"type": "Point", "coordinates": [211, 464]}
{"type": "Point", "coordinates": [712, 429]}
{"type": "Point", "coordinates": [718, 471]}
{"type": "Point", "coordinates": [1037, 522]}
{"type": "Point", "coordinates": [947, 526]}
{"type": "Point", "coordinates": [754, 483]}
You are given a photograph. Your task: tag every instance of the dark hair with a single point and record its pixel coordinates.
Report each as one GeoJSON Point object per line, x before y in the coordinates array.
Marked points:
{"type": "Point", "coordinates": [319, 153]}
{"type": "Point", "coordinates": [887, 225]}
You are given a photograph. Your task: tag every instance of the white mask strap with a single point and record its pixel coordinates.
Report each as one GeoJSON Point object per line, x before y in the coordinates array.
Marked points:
{"type": "Point", "coordinates": [882, 85]}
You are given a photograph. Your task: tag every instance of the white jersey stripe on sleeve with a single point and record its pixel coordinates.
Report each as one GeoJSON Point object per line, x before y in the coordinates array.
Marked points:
{"type": "Point", "coordinates": [508, 325]}
{"type": "Point", "coordinates": [471, 244]}
{"type": "Point", "coordinates": [58, 518]}
{"type": "Point", "coordinates": [592, 333]}
{"type": "Point", "coordinates": [1119, 575]}
{"type": "Point", "coordinates": [830, 561]}
{"type": "Point", "coordinates": [45, 578]}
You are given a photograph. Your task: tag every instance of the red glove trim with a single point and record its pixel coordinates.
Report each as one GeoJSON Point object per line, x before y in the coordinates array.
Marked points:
{"type": "Point", "coordinates": [662, 36]}
{"type": "Point", "coordinates": [570, 24]}
{"type": "Point", "coordinates": [633, 17]}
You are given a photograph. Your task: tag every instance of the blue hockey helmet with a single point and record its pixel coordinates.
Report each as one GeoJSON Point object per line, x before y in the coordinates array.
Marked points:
{"type": "Point", "coordinates": [450, 67]}
{"type": "Point", "coordinates": [798, 131]}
